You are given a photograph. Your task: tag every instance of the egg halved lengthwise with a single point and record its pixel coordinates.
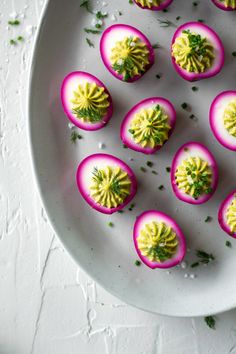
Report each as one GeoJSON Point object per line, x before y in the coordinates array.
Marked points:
{"type": "Point", "coordinates": [223, 119]}
{"type": "Point", "coordinates": [143, 115]}
{"type": "Point", "coordinates": [158, 240]}
{"type": "Point", "coordinates": [106, 183]}
{"type": "Point", "coordinates": [211, 47]}
{"type": "Point", "coordinates": [227, 5]}
{"type": "Point", "coordinates": [86, 100]}
{"type": "Point", "coordinates": [194, 173]}
{"type": "Point", "coordinates": [227, 214]}
{"type": "Point", "coordinates": [153, 5]}
{"type": "Point", "coordinates": [126, 52]}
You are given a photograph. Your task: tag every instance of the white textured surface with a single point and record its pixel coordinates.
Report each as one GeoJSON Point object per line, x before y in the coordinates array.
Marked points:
{"type": "Point", "coordinates": [47, 305]}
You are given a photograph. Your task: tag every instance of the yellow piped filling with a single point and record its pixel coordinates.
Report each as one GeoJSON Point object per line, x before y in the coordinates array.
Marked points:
{"type": "Point", "coordinates": [129, 57]}
{"type": "Point", "coordinates": [110, 186]}
{"type": "Point", "coordinates": [194, 177]}
{"type": "Point", "coordinates": [157, 241]}
{"type": "Point", "coordinates": [229, 3]}
{"type": "Point", "coordinates": [230, 118]}
{"type": "Point", "coordinates": [150, 127]}
{"type": "Point", "coordinates": [231, 215]}
{"type": "Point", "coordinates": [192, 52]}
{"type": "Point", "coordinates": [149, 3]}
{"type": "Point", "coordinates": [90, 102]}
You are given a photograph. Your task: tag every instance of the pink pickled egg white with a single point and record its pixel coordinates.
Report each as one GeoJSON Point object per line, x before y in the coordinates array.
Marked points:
{"type": "Point", "coordinates": [158, 216]}
{"type": "Point", "coordinates": [69, 85]}
{"type": "Point", "coordinates": [194, 149]}
{"type": "Point", "coordinates": [212, 36]}
{"type": "Point", "coordinates": [126, 136]}
{"type": "Point", "coordinates": [222, 213]}
{"type": "Point", "coordinates": [116, 33]}
{"type": "Point", "coordinates": [217, 109]}
{"type": "Point", "coordinates": [85, 174]}
{"type": "Point", "coordinates": [163, 5]}
{"type": "Point", "coordinates": [221, 5]}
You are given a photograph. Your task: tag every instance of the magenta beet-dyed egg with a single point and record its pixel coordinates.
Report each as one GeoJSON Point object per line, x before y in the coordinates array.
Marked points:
{"type": "Point", "coordinates": [194, 173]}
{"type": "Point", "coordinates": [226, 5]}
{"type": "Point", "coordinates": [197, 51]}
{"type": "Point", "coordinates": [227, 214]}
{"type": "Point", "coordinates": [154, 5]}
{"type": "Point", "coordinates": [148, 125]}
{"type": "Point", "coordinates": [106, 183]}
{"type": "Point", "coordinates": [158, 240]}
{"type": "Point", "coordinates": [86, 100]}
{"type": "Point", "coordinates": [223, 119]}
{"type": "Point", "coordinates": [126, 52]}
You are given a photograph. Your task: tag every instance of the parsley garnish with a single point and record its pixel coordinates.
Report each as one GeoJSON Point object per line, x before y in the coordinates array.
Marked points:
{"type": "Point", "coordinates": [208, 219]}
{"type": "Point", "coordinates": [204, 257]}
{"type": "Point", "coordinates": [75, 136]}
{"type": "Point", "coordinates": [184, 105]}
{"type": "Point", "coordinates": [161, 187]}
{"type": "Point", "coordinates": [168, 169]}
{"type": "Point", "coordinates": [149, 163]}
{"type": "Point", "coordinates": [194, 88]}
{"type": "Point", "coordinates": [156, 46]}
{"type": "Point", "coordinates": [86, 5]}
{"type": "Point", "coordinates": [143, 169]}
{"type": "Point", "coordinates": [14, 22]}
{"type": "Point", "coordinates": [97, 175]}
{"type": "Point", "coordinates": [101, 15]}
{"type": "Point", "coordinates": [228, 244]}
{"type": "Point", "coordinates": [131, 207]}
{"type": "Point", "coordinates": [110, 224]}
{"type": "Point", "coordinates": [90, 43]}
{"type": "Point", "coordinates": [89, 30]}
{"type": "Point", "coordinates": [137, 263]}
{"type": "Point", "coordinates": [88, 113]}
{"type": "Point", "coordinates": [125, 67]}
{"type": "Point", "coordinates": [210, 321]}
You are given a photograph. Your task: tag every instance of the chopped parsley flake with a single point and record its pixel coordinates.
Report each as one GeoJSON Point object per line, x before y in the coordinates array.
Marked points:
{"type": "Point", "coordinates": [208, 219]}
{"type": "Point", "coordinates": [137, 263]}
{"type": "Point", "coordinates": [149, 163]}
{"type": "Point", "coordinates": [143, 169]}
{"type": "Point", "coordinates": [156, 46]}
{"type": "Point", "coordinates": [168, 169]}
{"type": "Point", "coordinates": [110, 224]}
{"type": "Point", "coordinates": [90, 43]}
{"type": "Point", "coordinates": [178, 18]}
{"type": "Point", "coordinates": [184, 105]}
{"type": "Point", "coordinates": [228, 244]}
{"type": "Point", "coordinates": [89, 30]}
{"type": "Point", "coordinates": [14, 22]}
{"type": "Point", "coordinates": [210, 321]}
{"type": "Point", "coordinates": [75, 136]}
{"type": "Point", "coordinates": [161, 187]}
{"type": "Point", "coordinates": [194, 88]}
{"type": "Point", "coordinates": [154, 172]}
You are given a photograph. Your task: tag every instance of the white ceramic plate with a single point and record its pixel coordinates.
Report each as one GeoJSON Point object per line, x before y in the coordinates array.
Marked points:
{"type": "Point", "coordinates": [107, 254]}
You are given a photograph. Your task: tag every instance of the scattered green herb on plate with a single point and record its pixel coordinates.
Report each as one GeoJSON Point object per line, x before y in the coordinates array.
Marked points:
{"type": "Point", "coordinates": [210, 321]}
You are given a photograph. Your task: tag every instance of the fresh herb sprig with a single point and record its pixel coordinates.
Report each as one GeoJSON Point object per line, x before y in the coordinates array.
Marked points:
{"type": "Point", "coordinates": [92, 31]}
{"type": "Point", "coordinates": [75, 136]}
{"type": "Point", "coordinates": [88, 113]}
{"type": "Point", "coordinates": [203, 258]}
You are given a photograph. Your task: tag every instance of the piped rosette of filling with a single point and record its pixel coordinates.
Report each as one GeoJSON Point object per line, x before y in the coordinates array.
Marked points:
{"type": "Point", "coordinates": [154, 5]}
{"type": "Point", "coordinates": [227, 214]}
{"type": "Point", "coordinates": [223, 119]}
{"type": "Point", "coordinates": [86, 101]}
{"type": "Point", "coordinates": [158, 240]}
{"type": "Point", "coordinates": [106, 182]}
{"type": "Point", "coordinates": [194, 173]}
{"type": "Point", "coordinates": [148, 125]}
{"type": "Point", "coordinates": [126, 52]}
{"type": "Point", "coordinates": [197, 51]}
{"type": "Point", "coordinates": [226, 5]}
